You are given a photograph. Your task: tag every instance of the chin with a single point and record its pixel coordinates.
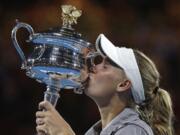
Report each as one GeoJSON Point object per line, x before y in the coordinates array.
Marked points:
{"type": "Point", "coordinates": [88, 91]}
{"type": "Point", "coordinates": [93, 92]}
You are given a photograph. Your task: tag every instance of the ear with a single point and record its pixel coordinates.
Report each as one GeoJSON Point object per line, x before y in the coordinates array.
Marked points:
{"type": "Point", "coordinates": [123, 86]}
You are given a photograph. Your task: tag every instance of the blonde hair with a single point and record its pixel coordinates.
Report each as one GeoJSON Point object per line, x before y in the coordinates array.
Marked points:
{"type": "Point", "coordinates": [156, 110]}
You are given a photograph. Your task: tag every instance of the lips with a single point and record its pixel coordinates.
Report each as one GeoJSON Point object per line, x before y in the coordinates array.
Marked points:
{"type": "Point", "coordinates": [85, 82]}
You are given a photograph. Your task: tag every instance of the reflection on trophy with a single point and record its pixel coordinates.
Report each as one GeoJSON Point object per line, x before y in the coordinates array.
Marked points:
{"type": "Point", "coordinates": [58, 56]}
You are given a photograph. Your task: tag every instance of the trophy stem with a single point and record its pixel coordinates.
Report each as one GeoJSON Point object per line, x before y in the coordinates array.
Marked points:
{"type": "Point", "coordinates": [52, 92]}
{"type": "Point", "coordinates": [51, 95]}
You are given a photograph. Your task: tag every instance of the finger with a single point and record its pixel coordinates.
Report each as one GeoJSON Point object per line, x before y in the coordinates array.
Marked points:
{"type": "Point", "coordinates": [39, 121]}
{"type": "Point", "coordinates": [45, 105]}
{"type": "Point", "coordinates": [40, 133]}
{"type": "Point", "coordinates": [41, 114]}
{"type": "Point", "coordinates": [42, 129]}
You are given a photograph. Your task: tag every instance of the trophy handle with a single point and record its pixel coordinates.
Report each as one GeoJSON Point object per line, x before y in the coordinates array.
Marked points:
{"type": "Point", "coordinates": [14, 39]}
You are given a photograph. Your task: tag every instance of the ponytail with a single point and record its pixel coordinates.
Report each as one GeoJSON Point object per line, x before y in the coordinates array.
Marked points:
{"type": "Point", "coordinates": [158, 113]}
{"type": "Point", "coordinates": [156, 110]}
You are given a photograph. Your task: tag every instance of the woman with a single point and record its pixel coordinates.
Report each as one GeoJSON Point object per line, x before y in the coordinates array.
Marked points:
{"type": "Point", "coordinates": [124, 83]}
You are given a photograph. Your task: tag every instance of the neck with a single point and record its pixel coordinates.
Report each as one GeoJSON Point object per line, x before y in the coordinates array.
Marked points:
{"type": "Point", "coordinates": [110, 110]}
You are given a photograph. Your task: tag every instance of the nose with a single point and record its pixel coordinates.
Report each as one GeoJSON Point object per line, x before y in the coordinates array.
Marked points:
{"type": "Point", "coordinates": [92, 69]}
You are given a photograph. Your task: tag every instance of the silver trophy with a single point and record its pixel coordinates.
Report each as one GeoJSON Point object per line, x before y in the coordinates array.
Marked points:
{"type": "Point", "coordinates": [58, 56]}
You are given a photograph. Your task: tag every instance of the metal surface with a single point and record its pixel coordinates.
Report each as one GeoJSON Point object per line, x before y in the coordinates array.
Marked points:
{"type": "Point", "coordinates": [57, 57]}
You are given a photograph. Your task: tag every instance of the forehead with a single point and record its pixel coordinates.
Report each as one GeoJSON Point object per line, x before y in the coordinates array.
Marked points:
{"type": "Point", "coordinates": [115, 69]}
{"type": "Point", "coordinates": [111, 62]}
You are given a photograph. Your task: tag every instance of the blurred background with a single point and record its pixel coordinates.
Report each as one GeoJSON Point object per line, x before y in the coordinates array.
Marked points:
{"type": "Point", "coordinates": [152, 26]}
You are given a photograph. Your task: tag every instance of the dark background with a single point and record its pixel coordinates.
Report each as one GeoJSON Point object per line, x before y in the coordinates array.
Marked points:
{"type": "Point", "coordinates": [152, 26]}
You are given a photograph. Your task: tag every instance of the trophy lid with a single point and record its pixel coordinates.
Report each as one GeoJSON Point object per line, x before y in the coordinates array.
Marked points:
{"type": "Point", "coordinates": [66, 36]}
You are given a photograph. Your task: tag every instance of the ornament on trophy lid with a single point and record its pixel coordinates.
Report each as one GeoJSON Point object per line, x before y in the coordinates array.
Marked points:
{"type": "Point", "coordinates": [70, 15]}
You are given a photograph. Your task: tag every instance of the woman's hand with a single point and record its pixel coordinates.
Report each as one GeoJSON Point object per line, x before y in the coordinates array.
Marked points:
{"type": "Point", "coordinates": [50, 122]}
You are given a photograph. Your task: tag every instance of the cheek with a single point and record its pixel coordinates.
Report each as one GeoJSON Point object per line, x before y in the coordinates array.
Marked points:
{"type": "Point", "coordinates": [102, 85]}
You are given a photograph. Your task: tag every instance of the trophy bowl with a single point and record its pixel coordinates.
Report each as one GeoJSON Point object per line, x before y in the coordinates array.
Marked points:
{"type": "Point", "coordinates": [58, 55]}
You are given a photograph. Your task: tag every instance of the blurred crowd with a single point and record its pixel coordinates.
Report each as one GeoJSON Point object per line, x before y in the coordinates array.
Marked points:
{"type": "Point", "coordinates": [152, 26]}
